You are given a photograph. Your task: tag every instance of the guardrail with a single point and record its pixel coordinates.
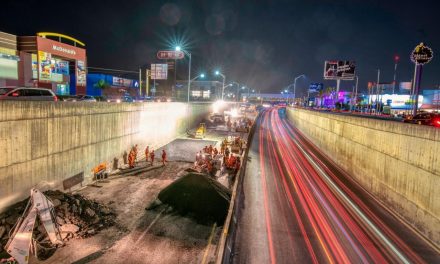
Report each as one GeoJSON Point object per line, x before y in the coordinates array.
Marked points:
{"type": "Point", "coordinates": [227, 238]}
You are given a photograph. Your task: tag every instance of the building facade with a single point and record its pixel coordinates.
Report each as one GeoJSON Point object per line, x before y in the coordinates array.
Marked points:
{"type": "Point", "coordinates": [200, 90]}
{"type": "Point", "coordinates": [43, 62]}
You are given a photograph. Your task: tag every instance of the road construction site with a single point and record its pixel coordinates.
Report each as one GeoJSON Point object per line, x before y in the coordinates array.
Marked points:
{"type": "Point", "coordinates": [172, 213]}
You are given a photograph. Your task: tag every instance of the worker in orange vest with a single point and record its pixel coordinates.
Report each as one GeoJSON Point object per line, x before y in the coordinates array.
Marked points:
{"type": "Point", "coordinates": [131, 159]}
{"type": "Point", "coordinates": [164, 157]}
{"type": "Point", "coordinates": [135, 152]}
{"type": "Point", "coordinates": [147, 153]}
{"type": "Point", "coordinates": [152, 157]}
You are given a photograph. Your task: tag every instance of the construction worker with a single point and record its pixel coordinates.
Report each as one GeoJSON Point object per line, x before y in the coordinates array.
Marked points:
{"type": "Point", "coordinates": [131, 159]}
{"type": "Point", "coordinates": [135, 152]}
{"type": "Point", "coordinates": [222, 148]}
{"type": "Point", "coordinates": [152, 157]}
{"type": "Point", "coordinates": [147, 153]}
{"type": "Point", "coordinates": [164, 157]}
{"type": "Point", "coordinates": [227, 152]}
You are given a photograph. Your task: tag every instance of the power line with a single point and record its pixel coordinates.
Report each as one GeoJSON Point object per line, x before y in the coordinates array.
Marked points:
{"type": "Point", "coordinates": [114, 70]}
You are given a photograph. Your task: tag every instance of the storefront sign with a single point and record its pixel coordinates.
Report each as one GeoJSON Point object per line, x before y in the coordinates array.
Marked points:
{"type": "Point", "coordinates": [316, 87]}
{"type": "Point", "coordinates": [422, 54]}
{"type": "Point", "coordinates": [60, 49]}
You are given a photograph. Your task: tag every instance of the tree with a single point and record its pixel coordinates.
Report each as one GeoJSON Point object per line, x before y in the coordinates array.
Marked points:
{"type": "Point", "coordinates": [101, 84]}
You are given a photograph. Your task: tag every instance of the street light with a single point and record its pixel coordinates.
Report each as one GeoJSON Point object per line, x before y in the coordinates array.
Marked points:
{"type": "Point", "coordinates": [223, 85]}
{"type": "Point", "coordinates": [178, 48]}
{"type": "Point", "coordinates": [202, 75]}
{"type": "Point", "coordinates": [238, 90]}
{"type": "Point", "coordinates": [294, 85]}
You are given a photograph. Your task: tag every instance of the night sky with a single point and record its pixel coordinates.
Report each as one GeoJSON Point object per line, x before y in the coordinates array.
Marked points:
{"type": "Point", "coordinates": [262, 44]}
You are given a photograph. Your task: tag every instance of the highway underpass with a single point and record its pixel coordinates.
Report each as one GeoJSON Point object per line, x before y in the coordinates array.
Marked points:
{"type": "Point", "coordinates": [298, 206]}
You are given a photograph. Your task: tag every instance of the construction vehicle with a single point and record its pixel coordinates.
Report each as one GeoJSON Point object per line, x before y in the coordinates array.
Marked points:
{"type": "Point", "coordinates": [20, 243]}
{"type": "Point", "coordinates": [201, 130]}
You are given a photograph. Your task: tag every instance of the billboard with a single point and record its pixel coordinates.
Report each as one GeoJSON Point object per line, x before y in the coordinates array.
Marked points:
{"type": "Point", "coordinates": [342, 70]}
{"type": "Point", "coordinates": [316, 87]}
{"type": "Point", "coordinates": [117, 81]}
{"type": "Point", "coordinates": [405, 86]}
{"type": "Point", "coordinates": [159, 71]}
{"type": "Point", "coordinates": [45, 69]}
{"type": "Point", "coordinates": [81, 76]}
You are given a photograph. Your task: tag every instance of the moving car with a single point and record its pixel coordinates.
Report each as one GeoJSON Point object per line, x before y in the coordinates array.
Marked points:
{"type": "Point", "coordinates": [122, 99]}
{"type": "Point", "coordinates": [81, 98]}
{"type": "Point", "coordinates": [430, 119]}
{"type": "Point", "coordinates": [27, 94]}
{"type": "Point", "coordinates": [217, 118]}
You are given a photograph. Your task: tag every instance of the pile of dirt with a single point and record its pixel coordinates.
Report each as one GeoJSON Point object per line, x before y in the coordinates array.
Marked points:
{"type": "Point", "coordinates": [77, 217]}
{"type": "Point", "coordinates": [198, 195]}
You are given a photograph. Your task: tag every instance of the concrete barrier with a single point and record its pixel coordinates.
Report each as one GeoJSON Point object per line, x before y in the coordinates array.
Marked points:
{"type": "Point", "coordinates": [397, 162]}
{"type": "Point", "coordinates": [43, 143]}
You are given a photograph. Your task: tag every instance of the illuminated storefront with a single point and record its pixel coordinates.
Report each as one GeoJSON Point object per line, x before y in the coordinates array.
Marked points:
{"type": "Point", "coordinates": [53, 64]}
{"type": "Point", "coordinates": [9, 60]}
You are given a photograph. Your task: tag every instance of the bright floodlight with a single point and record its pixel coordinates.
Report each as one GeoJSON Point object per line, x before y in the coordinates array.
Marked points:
{"type": "Point", "coordinates": [178, 48]}
{"type": "Point", "coordinates": [285, 91]}
{"type": "Point", "coordinates": [217, 72]}
{"type": "Point", "coordinates": [202, 75]}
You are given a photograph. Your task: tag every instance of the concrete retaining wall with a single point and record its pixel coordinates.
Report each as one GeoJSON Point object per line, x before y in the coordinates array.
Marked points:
{"type": "Point", "coordinates": [398, 162]}
{"type": "Point", "coordinates": [43, 143]}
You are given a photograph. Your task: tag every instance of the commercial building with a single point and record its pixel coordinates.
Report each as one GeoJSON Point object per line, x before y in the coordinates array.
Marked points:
{"type": "Point", "coordinates": [9, 60]}
{"type": "Point", "coordinates": [200, 90]}
{"type": "Point", "coordinates": [111, 86]}
{"type": "Point", "coordinates": [37, 61]}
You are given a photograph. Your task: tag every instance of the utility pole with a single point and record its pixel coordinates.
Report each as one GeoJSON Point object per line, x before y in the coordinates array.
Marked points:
{"type": "Point", "coordinates": [377, 91]}
{"type": "Point", "coordinates": [396, 60]}
{"type": "Point", "coordinates": [140, 82]}
{"type": "Point", "coordinates": [147, 82]}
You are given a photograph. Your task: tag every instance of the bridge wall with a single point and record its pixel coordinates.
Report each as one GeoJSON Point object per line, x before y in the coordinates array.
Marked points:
{"type": "Point", "coordinates": [44, 143]}
{"type": "Point", "coordinates": [399, 163]}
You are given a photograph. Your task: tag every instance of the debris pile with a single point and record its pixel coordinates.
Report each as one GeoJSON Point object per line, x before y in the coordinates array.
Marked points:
{"type": "Point", "coordinates": [76, 216]}
{"type": "Point", "coordinates": [198, 195]}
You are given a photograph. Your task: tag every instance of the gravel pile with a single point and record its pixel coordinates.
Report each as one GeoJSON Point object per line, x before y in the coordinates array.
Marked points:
{"type": "Point", "coordinates": [77, 217]}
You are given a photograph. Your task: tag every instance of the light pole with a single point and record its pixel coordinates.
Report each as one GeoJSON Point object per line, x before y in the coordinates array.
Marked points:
{"type": "Point", "coordinates": [238, 90]}
{"type": "Point", "coordinates": [396, 61]}
{"type": "Point", "coordinates": [223, 85]}
{"type": "Point", "coordinates": [189, 69]}
{"type": "Point", "coordinates": [294, 86]}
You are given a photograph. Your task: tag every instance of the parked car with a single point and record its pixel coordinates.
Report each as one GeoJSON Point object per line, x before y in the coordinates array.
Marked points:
{"type": "Point", "coordinates": [27, 94]}
{"type": "Point", "coordinates": [430, 119]}
{"type": "Point", "coordinates": [81, 98]}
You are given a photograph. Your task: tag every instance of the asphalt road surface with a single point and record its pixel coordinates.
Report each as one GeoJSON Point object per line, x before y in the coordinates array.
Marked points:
{"type": "Point", "coordinates": [300, 207]}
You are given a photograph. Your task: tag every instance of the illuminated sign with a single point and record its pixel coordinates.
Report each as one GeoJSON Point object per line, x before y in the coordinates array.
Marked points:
{"type": "Point", "coordinates": [64, 50]}
{"type": "Point", "coordinates": [397, 100]}
{"type": "Point", "coordinates": [422, 54]}
{"type": "Point", "coordinates": [170, 55]}
{"type": "Point", "coordinates": [159, 71]}
{"type": "Point", "coordinates": [342, 70]}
